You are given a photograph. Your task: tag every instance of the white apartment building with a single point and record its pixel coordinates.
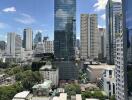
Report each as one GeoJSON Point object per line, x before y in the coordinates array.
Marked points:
{"type": "Point", "coordinates": [109, 83]}
{"type": "Point", "coordinates": [119, 72]}
{"type": "Point", "coordinates": [14, 45]}
{"type": "Point", "coordinates": [28, 39]}
{"type": "Point", "coordinates": [49, 46]}
{"type": "Point", "coordinates": [50, 73]}
{"type": "Point", "coordinates": [44, 47]}
{"type": "Point", "coordinates": [89, 36]}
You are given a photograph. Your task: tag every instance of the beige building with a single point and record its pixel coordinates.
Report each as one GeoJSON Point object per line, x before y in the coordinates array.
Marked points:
{"type": "Point", "coordinates": [95, 71]}
{"type": "Point", "coordinates": [89, 36]}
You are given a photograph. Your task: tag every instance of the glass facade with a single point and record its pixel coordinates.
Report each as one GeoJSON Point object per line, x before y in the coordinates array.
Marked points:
{"type": "Point", "coordinates": [112, 9]}
{"type": "Point", "coordinates": [127, 12]}
{"type": "Point", "coordinates": [64, 29]}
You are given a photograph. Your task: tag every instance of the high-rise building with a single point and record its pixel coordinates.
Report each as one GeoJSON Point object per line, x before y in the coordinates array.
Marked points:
{"type": "Point", "coordinates": [38, 38]}
{"type": "Point", "coordinates": [89, 36]}
{"type": "Point", "coordinates": [11, 44]}
{"type": "Point", "coordinates": [28, 39]}
{"type": "Point", "coordinates": [2, 45]}
{"type": "Point", "coordinates": [112, 9]}
{"type": "Point", "coordinates": [127, 49]}
{"type": "Point", "coordinates": [119, 70]}
{"type": "Point", "coordinates": [102, 43]}
{"type": "Point", "coordinates": [65, 29]}
{"type": "Point", "coordinates": [14, 45]}
{"type": "Point", "coordinates": [65, 38]}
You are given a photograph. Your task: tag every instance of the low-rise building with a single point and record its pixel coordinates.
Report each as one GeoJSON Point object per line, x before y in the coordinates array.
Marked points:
{"type": "Point", "coordinates": [25, 95]}
{"type": "Point", "coordinates": [109, 81]}
{"type": "Point", "coordinates": [63, 96]}
{"type": "Point", "coordinates": [95, 71]}
{"type": "Point", "coordinates": [50, 72]}
{"type": "Point", "coordinates": [42, 89]}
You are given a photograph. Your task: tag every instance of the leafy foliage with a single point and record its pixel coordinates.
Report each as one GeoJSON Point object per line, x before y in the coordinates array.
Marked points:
{"type": "Point", "coordinates": [93, 94]}
{"type": "Point", "coordinates": [72, 89]}
{"type": "Point", "coordinates": [8, 92]}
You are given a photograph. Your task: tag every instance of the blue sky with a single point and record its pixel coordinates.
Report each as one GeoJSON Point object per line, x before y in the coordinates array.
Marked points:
{"type": "Point", "coordinates": [15, 15]}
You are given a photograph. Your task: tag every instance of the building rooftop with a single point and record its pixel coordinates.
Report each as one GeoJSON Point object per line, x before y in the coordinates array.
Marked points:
{"type": "Point", "coordinates": [78, 97]}
{"type": "Point", "coordinates": [46, 84]}
{"type": "Point", "coordinates": [46, 67]}
{"type": "Point", "coordinates": [63, 96]}
{"type": "Point", "coordinates": [101, 66]}
{"type": "Point", "coordinates": [21, 95]}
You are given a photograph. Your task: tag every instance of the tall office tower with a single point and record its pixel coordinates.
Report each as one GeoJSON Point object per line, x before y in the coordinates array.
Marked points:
{"type": "Point", "coordinates": [102, 43]}
{"type": "Point", "coordinates": [28, 39]}
{"type": "Point", "coordinates": [14, 45]}
{"type": "Point", "coordinates": [38, 38]}
{"type": "Point", "coordinates": [112, 9]}
{"type": "Point", "coordinates": [65, 38]}
{"type": "Point", "coordinates": [11, 44]}
{"type": "Point", "coordinates": [2, 45]}
{"type": "Point", "coordinates": [127, 47]}
{"type": "Point", "coordinates": [65, 29]}
{"type": "Point", "coordinates": [89, 36]}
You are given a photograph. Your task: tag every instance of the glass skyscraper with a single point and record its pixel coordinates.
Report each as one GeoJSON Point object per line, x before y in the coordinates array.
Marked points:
{"type": "Point", "coordinates": [64, 29]}
{"type": "Point", "coordinates": [112, 9]}
{"type": "Point", "coordinates": [127, 45]}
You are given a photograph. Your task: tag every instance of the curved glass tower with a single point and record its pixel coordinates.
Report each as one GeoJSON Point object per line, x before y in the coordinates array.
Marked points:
{"type": "Point", "coordinates": [64, 29]}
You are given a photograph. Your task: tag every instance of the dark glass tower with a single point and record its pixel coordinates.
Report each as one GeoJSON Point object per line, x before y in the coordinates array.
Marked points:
{"type": "Point", "coordinates": [112, 8]}
{"type": "Point", "coordinates": [127, 45]}
{"type": "Point", "coordinates": [64, 29]}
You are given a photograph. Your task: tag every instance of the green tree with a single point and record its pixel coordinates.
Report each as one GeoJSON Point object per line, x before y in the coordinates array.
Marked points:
{"type": "Point", "coordinates": [72, 89]}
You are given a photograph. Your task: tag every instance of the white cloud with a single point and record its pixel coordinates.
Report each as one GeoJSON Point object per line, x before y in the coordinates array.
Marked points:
{"type": "Point", "coordinates": [3, 25]}
{"type": "Point", "coordinates": [9, 9]}
{"type": "Point", "coordinates": [103, 16]}
{"type": "Point", "coordinates": [60, 13]}
{"type": "Point", "coordinates": [25, 19]}
{"type": "Point", "coordinates": [99, 26]}
{"type": "Point", "coordinates": [100, 4]}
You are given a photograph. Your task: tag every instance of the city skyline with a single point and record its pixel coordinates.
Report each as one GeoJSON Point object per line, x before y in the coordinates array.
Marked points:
{"type": "Point", "coordinates": [15, 16]}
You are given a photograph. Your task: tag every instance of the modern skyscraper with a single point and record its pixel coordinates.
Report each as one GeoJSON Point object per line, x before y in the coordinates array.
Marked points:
{"type": "Point", "coordinates": [112, 9]}
{"type": "Point", "coordinates": [89, 36]}
{"type": "Point", "coordinates": [127, 47]}
{"type": "Point", "coordinates": [65, 38]}
{"type": "Point", "coordinates": [38, 38]}
{"type": "Point", "coordinates": [28, 39]}
{"type": "Point", "coordinates": [65, 29]}
{"type": "Point", "coordinates": [102, 43]}
{"type": "Point", "coordinates": [14, 45]}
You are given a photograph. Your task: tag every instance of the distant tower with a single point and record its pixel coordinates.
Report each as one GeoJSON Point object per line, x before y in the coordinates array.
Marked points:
{"type": "Point", "coordinates": [89, 36]}
{"type": "Point", "coordinates": [28, 39]}
{"type": "Point", "coordinates": [38, 38]}
{"type": "Point", "coordinates": [14, 44]}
